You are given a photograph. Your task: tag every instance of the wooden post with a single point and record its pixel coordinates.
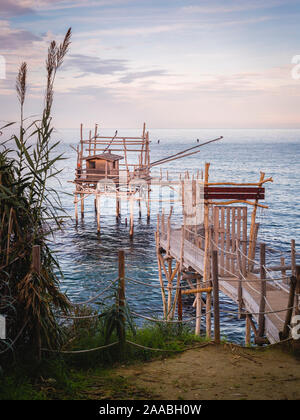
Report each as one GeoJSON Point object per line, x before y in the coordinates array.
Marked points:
{"type": "Point", "coordinates": [286, 328]}
{"type": "Point", "coordinates": [293, 257]}
{"type": "Point", "coordinates": [254, 241]}
{"type": "Point", "coordinates": [163, 294]}
{"type": "Point", "coordinates": [148, 204]}
{"type": "Point", "coordinates": [297, 291]}
{"type": "Point", "coordinates": [98, 213]}
{"type": "Point", "coordinates": [179, 307]}
{"type": "Point", "coordinates": [240, 274]}
{"type": "Point", "coordinates": [118, 210]}
{"type": "Point", "coordinates": [121, 300]}
{"type": "Point", "coordinates": [198, 309]}
{"type": "Point", "coordinates": [82, 205]}
{"type": "Point", "coordinates": [140, 208]}
{"type": "Point", "coordinates": [76, 209]}
{"type": "Point", "coordinates": [248, 331]}
{"type": "Point", "coordinates": [206, 268]}
{"type": "Point", "coordinates": [263, 291]}
{"type": "Point", "coordinates": [36, 266]}
{"type": "Point", "coordinates": [251, 251]}
{"type": "Point", "coordinates": [215, 281]}
{"type": "Point", "coordinates": [131, 225]}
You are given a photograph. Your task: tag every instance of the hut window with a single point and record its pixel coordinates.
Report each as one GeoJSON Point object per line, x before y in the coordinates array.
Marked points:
{"type": "Point", "coordinates": [92, 164]}
{"type": "Point", "coordinates": [114, 164]}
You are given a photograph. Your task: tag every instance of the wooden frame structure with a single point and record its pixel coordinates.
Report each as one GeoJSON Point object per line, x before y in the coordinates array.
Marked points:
{"type": "Point", "coordinates": [132, 157]}
{"type": "Point", "coordinates": [223, 230]}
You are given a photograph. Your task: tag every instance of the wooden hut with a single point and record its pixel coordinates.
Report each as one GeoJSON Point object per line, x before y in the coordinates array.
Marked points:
{"type": "Point", "coordinates": [105, 165]}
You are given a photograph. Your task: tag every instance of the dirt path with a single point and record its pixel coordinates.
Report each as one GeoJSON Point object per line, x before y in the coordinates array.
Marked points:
{"type": "Point", "coordinates": [215, 372]}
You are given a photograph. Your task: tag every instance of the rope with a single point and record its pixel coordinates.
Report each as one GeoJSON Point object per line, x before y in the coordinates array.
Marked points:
{"type": "Point", "coordinates": [259, 313]}
{"type": "Point", "coordinates": [95, 297]}
{"type": "Point", "coordinates": [81, 351]}
{"type": "Point", "coordinates": [168, 321]}
{"type": "Point", "coordinates": [158, 286]}
{"type": "Point", "coordinates": [163, 350]}
{"type": "Point", "coordinates": [80, 317]}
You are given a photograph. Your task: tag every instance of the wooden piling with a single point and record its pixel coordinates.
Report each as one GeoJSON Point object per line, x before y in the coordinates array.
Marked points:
{"type": "Point", "coordinates": [179, 305]}
{"type": "Point", "coordinates": [263, 291]}
{"type": "Point", "coordinates": [98, 212]}
{"type": "Point", "coordinates": [148, 204]}
{"type": "Point", "coordinates": [215, 281]}
{"type": "Point", "coordinates": [240, 275]}
{"type": "Point", "coordinates": [131, 224]}
{"type": "Point", "coordinates": [198, 309]}
{"type": "Point", "coordinates": [82, 206]}
{"type": "Point", "coordinates": [76, 209]}
{"type": "Point", "coordinates": [286, 328]}
{"type": "Point", "coordinates": [248, 331]}
{"type": "Point", "coordinates": [293, 257]}
{"type": "Point", "coordinates": [118, 207]}
{"type": "Point", "coordinates": [252, 241]}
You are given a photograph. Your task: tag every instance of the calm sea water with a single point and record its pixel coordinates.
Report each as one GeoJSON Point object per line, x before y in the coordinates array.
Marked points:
{"type": "Point", "coordinates": [89, 261]}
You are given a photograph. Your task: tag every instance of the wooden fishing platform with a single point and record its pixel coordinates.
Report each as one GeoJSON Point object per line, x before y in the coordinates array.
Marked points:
{"type": "Point", "coordinates": [224, 243]}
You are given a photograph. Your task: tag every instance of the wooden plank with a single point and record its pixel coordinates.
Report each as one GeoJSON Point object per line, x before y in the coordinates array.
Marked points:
{"type": "Point", "coordinates": [222, 234]}
{"type": "Point", "coordinates": [252, 190]}
{"type": "Point", "coordinates": [227, 256]}
{"type": "Point", "coordinates": [233, 196]}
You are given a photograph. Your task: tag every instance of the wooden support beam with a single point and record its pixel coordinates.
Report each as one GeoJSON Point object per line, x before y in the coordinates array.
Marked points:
{"type": "Point", "coordinates": [76, 209]}
{"type": "Point", "coordinates": [98, 212]}
{"type": "Point", "coordinates": [198, 290]}
{"type": "Point", "coordinates": [263, 291]}
{"type": "Point", "coordinates": [82, 206]}
{"type": "Point", "coordinates": [240, 275]}
{"type": "Point", "coordinates": [248, 331]}
{"type": "Point", "coordinates": [286, 328]}
{"type": "Point", "coordinates": [251, 251]}
{"type": "Point", "coordinates": [215, 282]}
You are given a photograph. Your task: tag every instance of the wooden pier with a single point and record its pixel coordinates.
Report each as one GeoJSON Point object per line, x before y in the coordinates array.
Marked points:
{"type": "Point", "coordinates": [265, 299]}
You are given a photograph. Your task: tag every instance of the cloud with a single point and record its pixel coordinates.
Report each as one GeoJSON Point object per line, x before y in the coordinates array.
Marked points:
{"type": "Point", "coordinates": [231, 7]}
{"type": "Point", "coordinates": [132, 76]}
{"type": "Point", "coordinates": [95, 65]}
{"type": "Point", "coordinates": [15, 38]}
{"type": "Point", "coordinates": [14, 7]}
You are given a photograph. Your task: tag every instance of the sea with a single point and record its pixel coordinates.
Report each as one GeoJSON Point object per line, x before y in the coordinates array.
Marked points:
{"type": "Point", "coordinates": [89, 261]}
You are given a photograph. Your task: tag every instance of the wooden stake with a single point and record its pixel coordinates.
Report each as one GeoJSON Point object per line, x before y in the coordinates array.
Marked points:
{"type": "Point", "coordinates": [179, 307]}
{"type": "Point", "coordinates": [263, 291]}
{"type": "Point", "coordinates": [293, 257]}
{"type": "Point", "coordinates": [248, 331]}
{"type": "Point", "coordinates": [198, 309]}
{"type": "Point", "coordinates": [98, 213]}
{"type": "Point", "coordinates": [76, 209]}
{"type": "Point", "coordinates": [240, 284]}
{"type": "Point", "coordinates": [148, 204]}
{"type": "Point", "coordinates": [286, 328]}
{"type": "Point", "coordinates": [251, 251]}
{"type": "Point", "coordinates": [131, 226]}
{"type": "Point", "coordinates": [215, 281]}
{"type": "Point", "coordinates": [82, 206]}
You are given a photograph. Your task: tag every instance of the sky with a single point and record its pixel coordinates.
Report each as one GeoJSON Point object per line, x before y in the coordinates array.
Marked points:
{"type": "Point", "coordinates": [170, 63]}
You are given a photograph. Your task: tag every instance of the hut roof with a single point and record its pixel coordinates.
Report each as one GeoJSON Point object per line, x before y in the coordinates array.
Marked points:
{"type": "Point", "coordinates": [106, 156]}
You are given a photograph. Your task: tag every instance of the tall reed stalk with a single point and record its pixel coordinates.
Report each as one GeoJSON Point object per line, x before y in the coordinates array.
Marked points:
{"type": "Point", "coordinates": [30, 211]}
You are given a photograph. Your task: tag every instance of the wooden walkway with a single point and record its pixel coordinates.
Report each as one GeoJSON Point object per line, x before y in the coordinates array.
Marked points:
{"type": "Point", "coordinates": [276, 298]}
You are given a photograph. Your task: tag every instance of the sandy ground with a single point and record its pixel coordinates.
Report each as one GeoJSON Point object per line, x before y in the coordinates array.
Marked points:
{"type": "Point", "coordinates": [215, 372]}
